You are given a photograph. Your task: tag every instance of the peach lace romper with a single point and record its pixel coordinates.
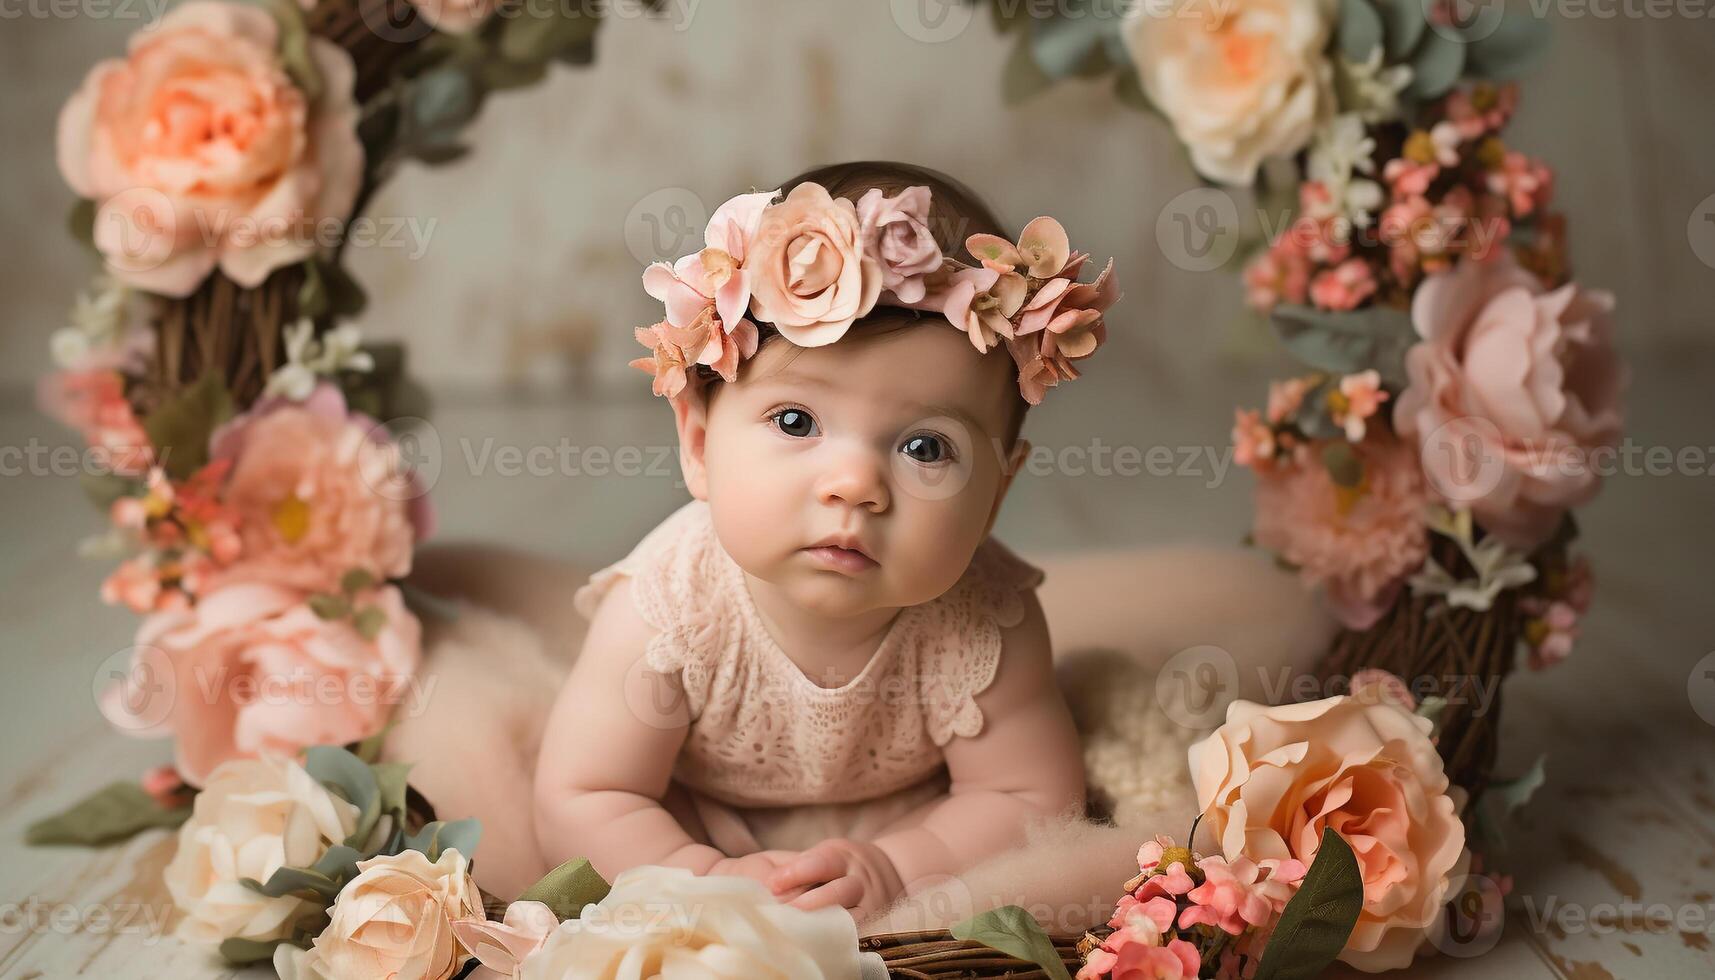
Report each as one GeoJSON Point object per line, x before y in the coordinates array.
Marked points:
{"type": "Point", "coordinates": [765, 739]}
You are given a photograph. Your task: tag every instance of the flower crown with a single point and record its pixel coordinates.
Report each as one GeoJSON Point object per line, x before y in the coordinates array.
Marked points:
{"type": "Point", "coordinates": [812, 264]}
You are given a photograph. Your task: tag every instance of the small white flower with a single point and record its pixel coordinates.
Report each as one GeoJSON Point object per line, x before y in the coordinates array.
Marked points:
{"type": "Point", "coordinates": [1368, 89]}
{"type": "Point", "coordinates": [309, 358]}
{"type": "Point", "coordinates": [98, 327]}
{"type": "Point", "coordinates": [1342, 148]}
{"type": "Point", "coordinates": [1498, 567]}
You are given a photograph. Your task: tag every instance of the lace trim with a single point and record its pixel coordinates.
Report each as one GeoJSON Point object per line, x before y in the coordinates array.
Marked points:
{"type": "Point", "coordinates": [968, 634]}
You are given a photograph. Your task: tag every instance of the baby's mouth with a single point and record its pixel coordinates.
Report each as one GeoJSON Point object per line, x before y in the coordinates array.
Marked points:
{"type": "Point", "coordinates": [841, 553]}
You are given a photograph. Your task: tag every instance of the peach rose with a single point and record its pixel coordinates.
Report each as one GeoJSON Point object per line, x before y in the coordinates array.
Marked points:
{"type": "Point", "coordinates": [394, 920]}
{"type": "Point", "coordinates": [810, 275]}
{"type": "Point", "coordinates": [317, 494]}
{"type": "Point", "coordinates": [1528, 378]}
{"type": "Point", "coordinates": [1271, 779]}
{"type": "Point", "coordinates": [1239, 81]}
{"type": "Point", "coordinates": [251, 669]}
{"type": "Point", "coordinates": [254, 817]}
{"type": "Point", "coordinates": [199, 150]}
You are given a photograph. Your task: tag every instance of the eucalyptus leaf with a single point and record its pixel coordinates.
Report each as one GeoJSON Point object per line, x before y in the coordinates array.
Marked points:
{"type": "Point", "coordinates": [497, 74]}
{"type": "Point", "coordinates": [294, 47]}
{"type": "Point", "coordinates": [289, 881]}
{"type": "Point", "coordinates": [113, 813]}
{"type": "Point", "coordinates": [243, 952]}
{"type": "Point", "coordinates": [541, 31]}
{"type": "Point", "coordinates": [443, 99]}
{"type": "Point", "coordinates": [1350, 341]}
{"type": "Point", "coordinates": [1318, 920]}
{"type": "Point", "coordinates": [391, 779]}
{"type": "Point", "coordinates": [438, 836]}
{"type": "Point", "coordinates": [81, 222]}
{"type": "Point", "coordinates": [1068, 42]}
{"type": "Point", "coordinates": [1514, 46]}
{"type": "Point", "coordinates": [179, 428]}
{"type": "Point", "coordinates": [568, 888]}
{"type": "Point", "coordinates": [1403, 22]}
{"type": "Point", "coordinates": [1360, 29]}
{"type": "Point", "coordinates": [1436, 66]}
{"type": "Point", "coordinates": [1011, 930]}
{"type": "Point", "coordinates": [437, 154]}
{"type": "Point", "coordinates": [352, 778]}
{"type": "Point", "coordinates": [339, 863]}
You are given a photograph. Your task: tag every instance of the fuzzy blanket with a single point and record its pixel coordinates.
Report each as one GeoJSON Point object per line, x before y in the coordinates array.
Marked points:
{"type": "Point", "coordinates": [1149, 645]}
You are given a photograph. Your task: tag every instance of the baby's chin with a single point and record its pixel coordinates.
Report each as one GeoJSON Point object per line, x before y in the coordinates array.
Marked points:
{"type": "Point", "coordinates": [837, 595]}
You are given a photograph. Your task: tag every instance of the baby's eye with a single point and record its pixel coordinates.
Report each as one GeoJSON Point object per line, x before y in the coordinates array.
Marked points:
{"type": "Point", "coordinates": [927, 448]}
{"type": "Point", "coordinates": [794, 422]}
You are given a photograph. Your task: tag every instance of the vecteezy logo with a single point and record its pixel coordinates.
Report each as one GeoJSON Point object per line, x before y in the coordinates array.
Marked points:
{"type": "Point", "coordinates": [397, 21]}
{"type": "Point", "coordinates": [1464, 21]}
{"type": "Point", "coordinates": [1198, 230]}
{"type": "Point", "coordinates": [1195, 687]}
{"type": "Point", "coordinates": [401, 458]}
{"type": "Point", "coordinates": [932, 21]}
{"type": "Point", "coordinates": [1462, 459]}
{"type": "Point", "coordinates": [136, 688]}
{"type": "Point", "coordinates": [665, 224]}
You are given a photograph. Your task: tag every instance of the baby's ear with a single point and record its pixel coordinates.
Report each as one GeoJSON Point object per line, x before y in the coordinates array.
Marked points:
{"type": "Point", "coordinates": [691, 417]}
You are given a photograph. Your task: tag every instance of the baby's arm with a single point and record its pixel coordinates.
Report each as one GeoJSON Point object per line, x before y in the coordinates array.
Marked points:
{"type": "Point", "coordinates": [1025, 762]}
{"type": "Point", "coordinates": [607, 757]}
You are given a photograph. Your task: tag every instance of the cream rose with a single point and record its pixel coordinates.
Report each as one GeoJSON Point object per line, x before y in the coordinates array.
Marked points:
{"type": "Point", "coordinates": [668, 922]}
{"type": "Point", "coordinates": [253, 817]}
{"type": "Point", "coordinates": [199, 150]}
{"type": "Point", "coordinates": [395, 920]}
{"type": "Point", "coordinates": [810, 274]}
{"type": "Point", "coordinates": [1271, 778]}
{"type": "Point", "coordinates": [1512, 391]}
{"type": "Point", "coordinates": [1239, 81]}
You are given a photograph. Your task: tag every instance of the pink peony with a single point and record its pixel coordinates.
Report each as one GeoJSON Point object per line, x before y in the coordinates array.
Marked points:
{"type": "Point", "coordinates": [251, 669]}
{"type": "Point", "coordinates": [94, 403]}
{"type": "Point", "coordinates": [897, 230]}
{"type": "Point", "coordinates": [199, 150]}
{"type": "Point", "coordinates": [1358, 543]}
{"type": "Point", "coordinates": [1236, 895]}
{"type": "Point", "coordinates": [1528, 377]}
{"type": "Point", "coordinates": [1271, 779]}
{"type": "Point", "coordinates": [1130, 959]}
{"type": "Point", "coordinates": [318, 493]}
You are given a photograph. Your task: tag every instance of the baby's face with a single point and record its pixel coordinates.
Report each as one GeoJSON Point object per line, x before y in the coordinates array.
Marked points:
{"type": "Point", "coordinates": [863, 474]}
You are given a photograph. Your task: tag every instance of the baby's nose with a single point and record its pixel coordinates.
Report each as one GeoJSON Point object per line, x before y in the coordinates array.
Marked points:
{"type": "Point", "coordinates": [855, 479]}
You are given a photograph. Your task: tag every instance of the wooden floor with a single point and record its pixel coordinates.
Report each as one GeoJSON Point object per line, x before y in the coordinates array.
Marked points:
{"type": "Point", "coordinates": [1614, 867]}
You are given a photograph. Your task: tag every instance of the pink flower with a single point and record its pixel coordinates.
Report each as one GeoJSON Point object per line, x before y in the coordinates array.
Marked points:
{"type": "Point", "coordinates": [1129, 959]}
{"type": "Point", "coordinates": [1043, 251]}
{"type": "Point", "coordinates": [1285, 397]}
{"type": "Point", "coordinates": [1358, 543]}
{"type": "Point", "coordinates": [1526, 184]}
{"type": "Point", "coordinates": [982, 302]}
{"type": "Point", "coordinates": [665, 361]}
{"type": "Point", "coordinates": [1343, 287]}
{"type": "Point", "coordinates": [251, 669]}
{"type": "Point", "coordinates": [1528, 377]}
{"type": "Point", "coordinates": [502, 947]}
{"type": "Point", "coordinates": [1374, 686]}
{"type": "Point", "coordinates": [1253, 439]}
{"type": "Point", "coordinates": [199, 150]}
{"type": "Point", "coordinates": [694, 289]}
{"type": "Point", "coordinates": [1360, 397]}
{"type": "Point", "coordinates": [1409, 178]}
{"type": "Point", "coordinates": [94, 403]}
{"type": "Point", "coordinates": [1231, 897]}
{"type": "Point", "coordinates": [896, 229]}
{"type": "Point", "coordinates": [317, 493]}
{"type": "Point", "coordinates": [810, 275]}
{"type": "Point", "coordinates": [1271, 779]}
{"type": "Point", "coordinates": [1279, 275]}
{"type": "Point", "coordinates": [1483, 109]}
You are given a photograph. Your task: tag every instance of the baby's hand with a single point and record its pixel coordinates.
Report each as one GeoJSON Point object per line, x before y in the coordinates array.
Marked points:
{"type": "Point", "coordinates": [760, 866]}
{"type": "Point", "coordinates": [855, 875]}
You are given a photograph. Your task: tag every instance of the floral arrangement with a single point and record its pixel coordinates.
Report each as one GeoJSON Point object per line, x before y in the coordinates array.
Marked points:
{"type": "Point", "coordinates": [811, 265]}
{"type": "Point", "coordinates": [1458, 388]}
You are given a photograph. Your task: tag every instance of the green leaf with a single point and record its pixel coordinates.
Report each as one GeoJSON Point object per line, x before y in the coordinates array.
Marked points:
{"type": "Point", "coordinates": [1021, 77]}
{"type": "Point", "coordinates": [295, 47]}
{"type": "Point", "coordinates": [498, 74]}
{"type": "Point", "coordinates": [1072, 41]}
{"type": "Point", "coordinates": [288, 881]}
{"type": "Point", "coordinates": [179, 428]}
{"type": "Point", "coordinates": [352, 778]}
{"type": "Point", "coordinates": [542, 31]}
{"type": "Point", "coordinates": [339, 863]}
{"type": "Point", "coordinates": [328, 606]}
{"type": "Point", "coordinates": [568, 888]}
{"type": "Point", "coordinates": [1436, 66]}
{"type": "Point", "coordinates": [1128, 89]}
{"type": "Point", "coordinates": [356, 580]}
{"type": "Point", "coordinates": [369, 622]}
{"type": "Point", "coordinates": [102, 489]}
{"type": "Point", "coordinates": [369, 750]}
{"type": "Point", "coordinates": [438, 836]}
{"type": "Point", "coordinates": [111, 814]}
{"type": "Point", "coordinates": [1343, 465]}
{"type": "Point", "coordinates": [1515, 45]}
{"type": "Point", "coordinates": [243, 952]}
{"type": "Point", "coordinates": [81, 222]}
{"type": "Point", "coordinates": [391, 779]}
{"type": "Point", "coordinates": [1360, 30]}
{"type": "Point", "coordinates": [1348, 342]}
{"type": "Point", "coordinates": [1011, 930]}
{"type": "Point", "coordinates": [1403, 22]}
{"type": "Point", "coordinates": [443, 100]}
{"type": "Point", "coordinates": [1316, 923]}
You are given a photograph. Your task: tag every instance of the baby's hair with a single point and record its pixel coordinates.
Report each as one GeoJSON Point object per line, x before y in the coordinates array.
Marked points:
{"type": "Point", "coordinates": [955, 214]}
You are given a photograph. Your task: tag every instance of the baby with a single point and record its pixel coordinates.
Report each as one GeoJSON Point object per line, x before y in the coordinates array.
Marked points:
{"type": "Point", "coordinates": [828, 621]}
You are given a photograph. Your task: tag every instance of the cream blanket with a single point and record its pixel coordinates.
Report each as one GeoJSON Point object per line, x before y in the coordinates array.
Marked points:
{"type": "Point", "coordinates": [1149, 645]}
